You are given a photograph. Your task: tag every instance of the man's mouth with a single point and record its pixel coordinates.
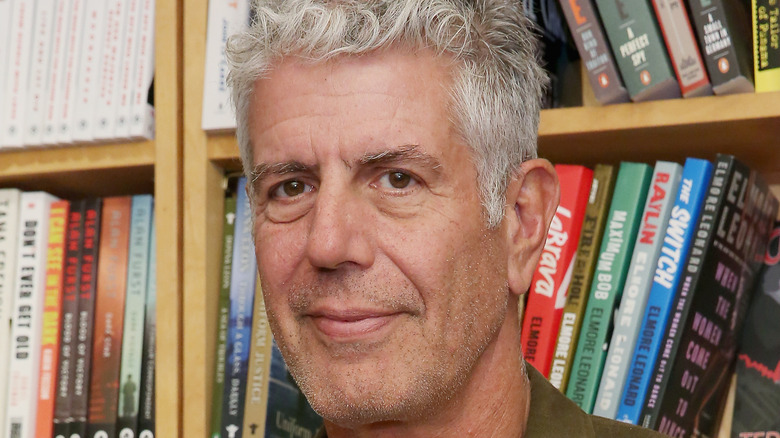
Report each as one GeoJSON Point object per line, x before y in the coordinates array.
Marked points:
{"type": "Point", "coordinates": [351, 325]}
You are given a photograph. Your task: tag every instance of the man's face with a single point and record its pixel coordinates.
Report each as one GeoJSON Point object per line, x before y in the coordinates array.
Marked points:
{"type": "Point", "coordinates": [382, 283]}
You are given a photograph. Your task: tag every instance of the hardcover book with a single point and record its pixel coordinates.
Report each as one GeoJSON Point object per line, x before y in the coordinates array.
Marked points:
{"type": "Point", "coordinates": [142, 111]}
{"type": "Point", "coordinates": [26, 331]}
{"type": "Point", "coordinates": [141, 220]}
{"type": "Point", "coordinates": [617, 245]}
{"type": "Point", "coordinates": [5, 48]}
{"type": "Point", "coordinates": [584, 264]}
{"type": "Point", "coordinates": [55, 89]}
{"type": "Point", "coordinates": [223, 309]}
{"type": "Point", "coordinates": [52, 310]}
{"type": "Point", "coordinates": [125, 75]}
{"type": "Point", "coordinates": [256, 404]}
{"type": "Point", "coordinates": [41, 49]}
{"type": "Point", "coordinates": [655, 217]}
{"type": "Point", "coordinates": [766, 44]}
{"type": "Point", "coordinates": [65, 114]}
{"type": "Point", "coordinates": [243, 277]}
{"type": "Point", "coordinates": [681, 45]}
{"type": "Point", "coordinates": [110, 67]}
{"type": "Point", "coordinates": [9, 233]}
{"type": "Point", "coordinates": [594, 51]}
{"type": "Point", "coordinates": [18, 73]}
{"type": "Point", "coordinates": [85, 322]}
{"type": "Point", "coordinates": [666, 276]}
{"type": "Point", "coordinates": [695, 391]}
{"type": "Point", "coordinates": [69, 328]}
{"type": "Point", "coordinates": [89, 71]}
{"type": "Point", "coordinates": [723, 31]}
{"type": "Point", "coordinates": [638, 48]}
{"type": "Point", "coordinates": [551, 279]}
{"type": "Point", "coordinates": [757, 399]}
{"type": "Point", "coordinates": [109, 316]}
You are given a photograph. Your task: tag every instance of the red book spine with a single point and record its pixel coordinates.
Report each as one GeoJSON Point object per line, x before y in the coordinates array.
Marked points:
{"type": "Point", "coordinates": [109, 316]}
{"type": "Point", "coordinates": [52, 308]}
{"type": "Point", "coordinates": [547, 294]}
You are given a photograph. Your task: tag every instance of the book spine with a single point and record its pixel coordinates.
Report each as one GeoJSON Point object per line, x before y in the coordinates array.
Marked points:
{"type": "Point", "coordinates": [681, 45]}
{"type": "Point", "coordinates": [723, 45]}
{"type": "Point", "coordinates": [666, 275]}
{"type": "Point", "coordinates": [225, 18]}
{"type": "Point", "coordinates": [56, 71]}
{"type": "Point", "coordinates": [142, 111]}
{"type": "Point", "coordinates": [127, 66]}
{"type": "Point", "coordinates": [700, 377]}
{"type": "Point", "coordinates": [135, 303]}
{"type": "Point", "coordinates": [25, 351]}
{"type": "Point", "coordinates": [617, 245]}
{"type": "Point", "coordinates": [758, 359]}
{"type": "Point", "coordinates": [584, 265]}
{"type": "Point", "coordinates": [242, 288]}
{"type": "Point", "coordinates": [223, 316]}
{"type": "Point", "coordinates": [111, 67]}
{"type": "Point", "coordinates": [89, 72]}
{"type": "Point", "coordinates": [109, 317]}
{"type": "Point", "coordinates": [639, 51]}
{"type": "Point", "coordinates": [681, 305]}
{"type": "Point", "coordinates": [259, 373]}
{"type": "Point", "coordinates": [18, 73]}
{"type": "Point", "coordinates": [655, 217]}
{"type": "Point", "coordinates": [39, 67]}
{"type": "Point", "coordinates": [68, 327]}
{"type": "Point", "coordinates": [52, 310]}
{"type": "Point", "coordinates": [766, 44]}
{"type": "Point", "coordinates": [5, 48]}
{"type": "Point", "coordinates": [146, 416]}
{"type": "Point", "coordinates": [551, 279]}
{"type": "Point", "coordinates": [65, 113]}
{"type": "Point", "coordinates": [86, 316]}
{"type": "Point", "coordinates": [594, 51]}
{"type": "Point", "coordinates": [287, 406]}
{"type": "Point", "coordinates": [9, 233]}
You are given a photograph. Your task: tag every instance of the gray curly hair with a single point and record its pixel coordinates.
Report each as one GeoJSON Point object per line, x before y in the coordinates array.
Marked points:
{"type": "Point", "coordinates": [498, 83]}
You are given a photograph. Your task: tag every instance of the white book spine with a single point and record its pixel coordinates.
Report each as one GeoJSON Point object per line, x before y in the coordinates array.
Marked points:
{"type": "Point", "coordinates": [65, 113]}
{"type": "Point", "coordinates": [18, 72]}
{"type": "Point", "coordinates": [39, 72]}
{"type": "Point", "coordinates": [9, 225]}
{"type": "Point", "coordinates": [55, 89]}
{"type": "Point", "coordinates": [25, 351]}
{"type": "Point", "coordinates": [5, 35]}
{"type": "Point", "coordinates": [88, 91]}
{"type": "Point", "coordinates": [110, 65]}
{"type": "Point", "coordinates": [129, 59]}
{"type": "Point", "coordinates": [226, 17]}
{"type": "Point", "coordinates": [142, 112]}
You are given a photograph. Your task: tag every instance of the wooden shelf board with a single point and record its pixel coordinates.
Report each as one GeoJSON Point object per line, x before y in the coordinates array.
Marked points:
{"type": "Point", "coordinates": [89, 170]}
{"type": "Point", "coordinates": [223, 150]}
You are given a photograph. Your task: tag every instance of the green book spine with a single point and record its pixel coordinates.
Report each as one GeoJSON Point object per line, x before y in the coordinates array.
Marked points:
{"type": "Point", "coordinates": [584, 264]}
{"type": "Point", "coordinates": [228, 228]}
{"type": "Point", "coordinates": [617, 245]}
{"type": "Point", "coordinates": [639, 49]}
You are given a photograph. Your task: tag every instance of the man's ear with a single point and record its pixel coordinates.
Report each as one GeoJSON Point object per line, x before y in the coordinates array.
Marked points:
{"type": "Point", "coordinates": [532, 198]}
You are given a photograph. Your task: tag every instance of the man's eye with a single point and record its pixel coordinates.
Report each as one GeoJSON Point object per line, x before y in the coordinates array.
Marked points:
{"type": "Point", "coordinates": [397, 180]}
{"type": "Point", "coordinates": [290, 189]}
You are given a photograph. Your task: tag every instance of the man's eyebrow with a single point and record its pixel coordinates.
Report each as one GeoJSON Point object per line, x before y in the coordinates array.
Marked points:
{"type": "Point", "coordinates": [401, 154]}
{"type": "Point", "coordinates": [264, 170]}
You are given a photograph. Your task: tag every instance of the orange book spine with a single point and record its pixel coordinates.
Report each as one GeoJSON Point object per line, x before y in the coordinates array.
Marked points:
{"type": "Point", "coordinates": [109, 316]}
{"type": "Point", "coordinates": [52, 308]}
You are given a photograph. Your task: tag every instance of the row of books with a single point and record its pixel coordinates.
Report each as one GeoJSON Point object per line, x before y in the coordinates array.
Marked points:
{"type": "Point", "coordinates": [637, 302]}
{"type": "Point", "coordinates": [660, 49]}
{"type": "Point", "coordinates": [75, 71]}
{"type": "Point", "coordinates": [253, 392]}
{"type": "Point", "coordinates": [77, 311]}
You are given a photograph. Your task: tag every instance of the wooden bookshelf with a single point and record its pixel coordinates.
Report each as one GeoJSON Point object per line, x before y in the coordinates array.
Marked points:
{"type": "Point", "coordinates": [747, 126]}
{"type": "Point", "coordinates": [124, 168]}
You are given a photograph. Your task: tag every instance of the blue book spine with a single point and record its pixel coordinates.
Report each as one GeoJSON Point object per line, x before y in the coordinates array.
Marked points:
{"type": "Point", "coordinates": [289, 413]}
{"type": "Point", "coordinates": [242, 289]}
{"type": "Point", "coordinates": [674, 253]}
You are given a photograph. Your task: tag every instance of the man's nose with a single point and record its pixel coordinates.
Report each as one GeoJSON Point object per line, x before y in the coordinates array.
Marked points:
{"type": "Point", "coordinates": [339, 230]}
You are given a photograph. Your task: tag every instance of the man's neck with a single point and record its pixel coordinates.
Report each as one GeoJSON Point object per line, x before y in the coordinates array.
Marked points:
{"type": "Point", "coordinates": [493, 403]}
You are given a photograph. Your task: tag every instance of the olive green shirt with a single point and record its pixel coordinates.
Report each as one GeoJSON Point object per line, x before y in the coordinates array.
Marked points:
{"type": "Point", "coordinates": [554, 415]}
